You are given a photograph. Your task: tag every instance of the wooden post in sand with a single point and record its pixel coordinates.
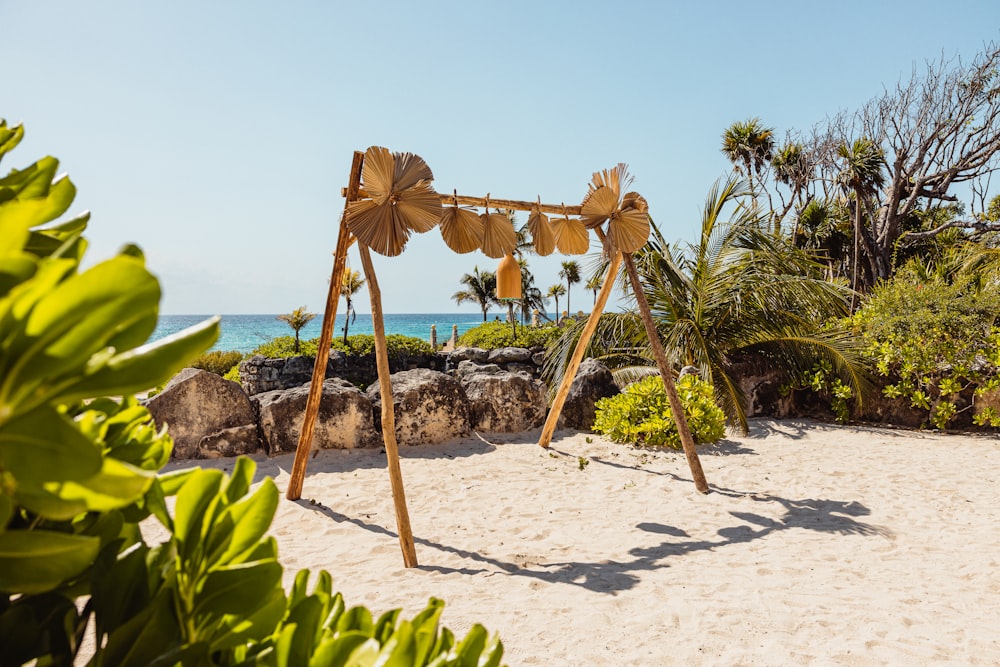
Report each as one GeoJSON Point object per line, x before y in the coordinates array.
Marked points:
{"type": "Point", "coordinates": [388, 415]}
{"type": "Point", "coordinates": [294, 491]}
{"type": "Point", "coordinates": [581, 346]}
{"type": "Point", "coordinates": [676, 409]}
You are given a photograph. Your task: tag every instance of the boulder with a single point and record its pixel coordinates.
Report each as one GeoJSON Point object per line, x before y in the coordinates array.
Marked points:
{"type": "Point", "coordinates": [344, 420]}
{"type": "Point", "coordinates": [504, 402]}
{"type": "Point", "coordinates": [509, 355]}
{"type": "Point", "coordinates": [428, 407]}
{"type": "Point", "coordinates": [476, 354]}
{"type": "Point", "coordinates": [235, 441]}
{"type": "Point", "coordinates": [593, 382]}
{"type": "Point", "coordinates": [196, 404]}
{"type": "Point", "coordinates": [469, 367]}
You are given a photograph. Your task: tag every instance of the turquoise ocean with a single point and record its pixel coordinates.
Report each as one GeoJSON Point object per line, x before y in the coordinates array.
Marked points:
{"type": "Point", "coordinates": [243, 333]}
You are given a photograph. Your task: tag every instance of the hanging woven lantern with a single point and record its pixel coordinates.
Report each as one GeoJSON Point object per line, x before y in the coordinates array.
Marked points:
{"type": "Point", "coordinates": [509, 278]}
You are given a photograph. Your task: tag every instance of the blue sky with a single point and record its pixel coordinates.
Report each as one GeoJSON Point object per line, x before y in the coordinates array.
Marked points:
{"type": "Point", "coordinates": [217, 135]}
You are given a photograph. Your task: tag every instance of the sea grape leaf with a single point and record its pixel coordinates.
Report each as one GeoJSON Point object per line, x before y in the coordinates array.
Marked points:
{"type": "Point", "coordinates": [35, 561]}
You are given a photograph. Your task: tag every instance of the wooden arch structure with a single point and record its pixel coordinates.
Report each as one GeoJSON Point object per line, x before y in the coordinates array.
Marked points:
{"type": "Point", "coordinates": [388, 196]}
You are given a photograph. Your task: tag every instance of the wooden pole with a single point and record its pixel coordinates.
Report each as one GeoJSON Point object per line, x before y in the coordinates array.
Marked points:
{"type": "Point", "coordinates": [294, 491]}
{"type": "Point", "coordinates": [581, 346]}
{"type": "Point", "coordinates": [700, 483]}
{"type": "Point", "coordinates": [388, 415]}
{"type": "Point", "coordinates": [509, 204]}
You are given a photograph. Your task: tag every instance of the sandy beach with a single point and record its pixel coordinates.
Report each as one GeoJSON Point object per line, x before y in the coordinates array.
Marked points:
{"type": "Point", "coordinates": [819, 545]}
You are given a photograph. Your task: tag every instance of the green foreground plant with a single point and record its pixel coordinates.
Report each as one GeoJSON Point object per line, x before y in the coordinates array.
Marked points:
{"type": "Point", "coordinates": [79, 485]}
{"type": "Point", "coordinates": [493, 335]}
{"type": "Point", "coordinates": [641, 415]}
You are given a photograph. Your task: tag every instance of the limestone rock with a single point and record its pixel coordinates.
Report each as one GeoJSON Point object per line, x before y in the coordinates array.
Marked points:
{"type": "Point", "coordinates": [476, 354]}
{"type": "Point", "coordinates": [505, 402]}
{"type": "Point", "coordinates": [235, 441]}
{"type": "Point", "coordinates": [344, 420]}
{"type": "Point", "coordinates": [428, 406]}
{"type": "Point", "coordinates": [593, 382]}
{"type": "Point", "coordinates": [196, 404]}
{"type": "Point", "coordinates": [509, 355]}
{"type": "Point", "coordinates": [469, 367]}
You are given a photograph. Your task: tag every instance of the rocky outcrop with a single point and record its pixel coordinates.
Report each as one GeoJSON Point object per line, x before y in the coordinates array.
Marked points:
{"type": "Point", "coordinates": [428, 407]}
{"type": "Point", "coordinates": [205, 412]}
{"type": "Point", "coordinates": [504, 402]}
{"type": "Point", "coordinates": [259, 374]}
{"type": "Point", "coordinates": [592, 383]}
{"type": "Point", "coordinates": [344, 420]}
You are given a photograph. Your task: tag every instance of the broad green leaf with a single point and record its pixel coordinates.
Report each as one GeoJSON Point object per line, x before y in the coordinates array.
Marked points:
{"type": "Point", "coordinates": [492, 654]}
{"type": "Point", "coordinates": [45, 446]}
{"type": "Point", "coordinates": [356, 618]}
{"type": "Point", "coordinates": [193, 499]}
{"type": "Point", "coordinates": [147, 635]}
{"type": "Point", "coordinates": [116, 485]}
{"type": "Point", "coordinates": [171, 482]}
{"type": "Point", "coordinates": [26, 211]}
{"type": "Point", "coordinates": [30, 182]}
{"type": "Point", "coordinates": [37, 561]}
{"type": "Point", "coordinates": [469, 650]}
{"type": "Point", "coordinates": [364, 655]}
{"type": "Point", "coordinates": [386, 625]}
{"type": "Point", "coordinates": [240, 478]}
{"type": "Point", "coordinates": [237, 629]}
{"type": "Point", "coordinates": [15, 268]}
{"type": "Point", "coordinates": [10, 137]}
{"type": "Point", "coordinates": [425, 627]}
{"type": "Point", "coordinates": [251, 518]}
{"type": "Point", "coordinates": [400, 650]}
{"type": "Point", "coordinates": [296, 642]}
{"type": "Point", "coordinates": [156, 503]}
{"type": "Point", "coordinates": [336, 651]}
{"type": "Point", "coordinates": [241, 588]}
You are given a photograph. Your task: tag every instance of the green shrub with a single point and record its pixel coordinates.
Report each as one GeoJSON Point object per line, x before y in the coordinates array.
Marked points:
{"type": "Point", "coordinates": [641, 414]}
{"type": "Point", "coordinates": [283, 347]}
{"type": "Point", "coordinates": [233, 373]}
{"type": "Point", "coordinates": [78, 473]}
{"type": "Point", "coordinates": [218, 362]}
{"type": "Point", "coordinates": [933, 339]}
{"type": "Point", "coordinates": [397, 345]}
{"type": "Point", "coordinates": [493, 335]}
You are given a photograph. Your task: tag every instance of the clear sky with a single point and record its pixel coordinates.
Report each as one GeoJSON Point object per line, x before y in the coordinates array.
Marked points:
{"type": "Point", "coordinates": [217, 135]}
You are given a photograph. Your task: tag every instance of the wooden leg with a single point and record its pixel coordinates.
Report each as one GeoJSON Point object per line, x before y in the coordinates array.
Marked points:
{"type": "Point", "coordinates": [581, 346]}
{"type": "Point", "coordinates": [388, 416]}
{"type": "Point", "coordinates": [666, 373]}
{"type": "Point", "coordinates": [294, 491]}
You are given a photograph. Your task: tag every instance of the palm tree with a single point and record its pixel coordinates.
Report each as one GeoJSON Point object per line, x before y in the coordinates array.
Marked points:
{"type": "Point", "coordinates": [749, 146]}
{"type": "Point", "coordinates": [297, 319]}
{"type": "Point", "coordinates": [531, 296]}
{"type": "Point", "coordinates": [861, 175]}
{"type": "Point", "coordinates": [349, 286]}
{"type": "Point", "coordinates": [480, 287]}
{"type": "Point", "coordinates": [594, 284]}
{"type": "Point", "coordinates": [570, 272]}
{"type": "Point", "coordinates": [556, 291]}
{"type": "Point", "coordinates": [740, 297]}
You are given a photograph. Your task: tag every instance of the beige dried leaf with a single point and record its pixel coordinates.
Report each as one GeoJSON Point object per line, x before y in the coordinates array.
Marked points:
{"type": "Point", "coordinates": [499, 238]}
{"type": "Point", "coordinates": [571, 236]}
{"type": "Point", "coordinates": [409, 170]}
{"type": "Point", "coordinates": [628, 230]}
{"type": "Point", "coordinates": [376, 227]}
{"type": "Point", "coordinates": [462, 229]}
{"type": "Point", "coordinates": [636, 201]}
{"type": "Point", "coordinates": [542, 236]}
{"type": "Point", "coordinates": [599, 205]}
{"type": "Point", "coordinates": [420, 207]}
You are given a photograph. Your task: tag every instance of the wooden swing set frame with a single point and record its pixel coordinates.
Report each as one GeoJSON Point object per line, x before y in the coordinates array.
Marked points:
{"type": "Point", "coordinates": [345, 239]}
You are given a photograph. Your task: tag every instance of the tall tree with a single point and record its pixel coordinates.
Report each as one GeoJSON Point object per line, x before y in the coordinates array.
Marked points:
{"type": "Point", "coordinates": [749, 145]}
{"type": "Point", "coordinates": [594, 284]}
{"type": "Point", "coordinates": [556, 291]}
{"type": "Point", "coordinates": [531, 296]}
{"type": "Point", "coordinates": [861, 175]}
{"type": "Point", "coordinates": [480, 287]}
{"type": "Point", "coordinates": [297, 319]}
{"type": "Point", "coordinates": [570, 272]}
{"type": "Point", "coordinates": [350, 285]}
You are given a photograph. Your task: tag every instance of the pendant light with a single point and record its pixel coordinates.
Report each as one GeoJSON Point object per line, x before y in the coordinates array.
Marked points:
{"type": "Point", "coordinates": [509, 278]}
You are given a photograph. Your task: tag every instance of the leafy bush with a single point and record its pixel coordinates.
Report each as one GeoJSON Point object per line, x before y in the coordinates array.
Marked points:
{"type": "Point", "coordinates": [78, 472]}
{"type": "Point", "coordinates": [493, 335]}
{"type": "Point", "coordinates": [641, 414]}
{"type": "Point", "coordinates": [933, 339]}
{"type": "Point", "coordinates": [397, 345]}
{"type": "Point", "coordinates": [283, 347]}
{"type": "Point", "coordinates": [218, 362]}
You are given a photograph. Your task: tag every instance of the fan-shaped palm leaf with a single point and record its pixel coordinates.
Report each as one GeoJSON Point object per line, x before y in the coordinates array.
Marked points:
{"type": "Point", "coordinates": [542, 236]}
{"type": "Point", "coordinates": [570, 235]}
{"type": "Point", "coordinates": [499, 237]}
{"type": "Point", "coordinates": [462, 229]}
{"type": "Point", "coordinates": [400, 201]}
{"type": "Point", "coordinates": [627, 217]}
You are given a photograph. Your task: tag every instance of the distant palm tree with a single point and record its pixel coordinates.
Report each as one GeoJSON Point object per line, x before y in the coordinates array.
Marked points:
{"type": "Point", "coordinates": [749, 145]}
{"type": "Point", "coordinates": [861, 175]}
{"type": "Point", "coordinates": [739, 296]}
{"type": "Point", "coordinates": [349, 286]}
{"type": "Point", "coordinates": [297, 319]}
{"type": "Point", "coordinates": [531, 296]}
{"type": "Point", "coordinates": [480, 287]}
{"type": "Point", "coordinates": [556, 291]}
{"type": "Point", "coordinates": [570, 272]}
{"type": "Point", "coordinates": [594, 284]}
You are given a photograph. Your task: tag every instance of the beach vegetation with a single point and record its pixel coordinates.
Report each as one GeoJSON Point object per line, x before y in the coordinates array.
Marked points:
{"type": "Point", "coordinates": [739, 297]}
{"type": "Point", "coordinates": [496, 334]}
{"type": "Point", "coordinates": [218, 361]}
{"type": "Point", "coordinates": [350, 285]}
{"type": "Point", "coordinates": [641, 415]}
{"type": "Point", "coordinates": [297, 320]}
{"type": "Point", "coordinates": [282, 347]}
{"type": "Point", "coordinates": [397, 345]}
{"type": "Point", "coordinates": [570, 272]}
{"type": "Point", "coordinates": [81, 488]}
{"type": "Point", "coordinates": [480, 288]}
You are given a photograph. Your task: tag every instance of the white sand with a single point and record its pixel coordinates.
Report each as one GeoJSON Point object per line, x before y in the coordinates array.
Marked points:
{"type": "Point", "coordinates": [819, 545]}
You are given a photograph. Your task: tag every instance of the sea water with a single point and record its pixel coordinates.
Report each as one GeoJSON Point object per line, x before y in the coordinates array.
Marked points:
{"type": "Point", "coordinates": [243, 333]}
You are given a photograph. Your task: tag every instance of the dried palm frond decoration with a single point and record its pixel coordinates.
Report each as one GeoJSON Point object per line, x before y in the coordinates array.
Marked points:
{"type": "Point", "coordinates": [399, 201]}
{"type": "Point", "coordinates": [570, 235]}
{"type": "Point", "coordinates": [542, 236]}
{"type": "Point", "coordinates": [626, 214]}
{"type": "Point", "coordinates": [462, 229]}
{"type": "Point", "coordinates": [499, 238]}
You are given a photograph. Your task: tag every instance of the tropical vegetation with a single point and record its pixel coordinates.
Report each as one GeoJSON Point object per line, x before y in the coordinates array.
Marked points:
{"type": "Point", "coordinates": [350, 285]}
{"type": "Point", "coordinates": [493, 335]}
{"type": "Point", "coordinates": [480, 288]}
{"type": "Point", "coordinates": [297, 320]}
